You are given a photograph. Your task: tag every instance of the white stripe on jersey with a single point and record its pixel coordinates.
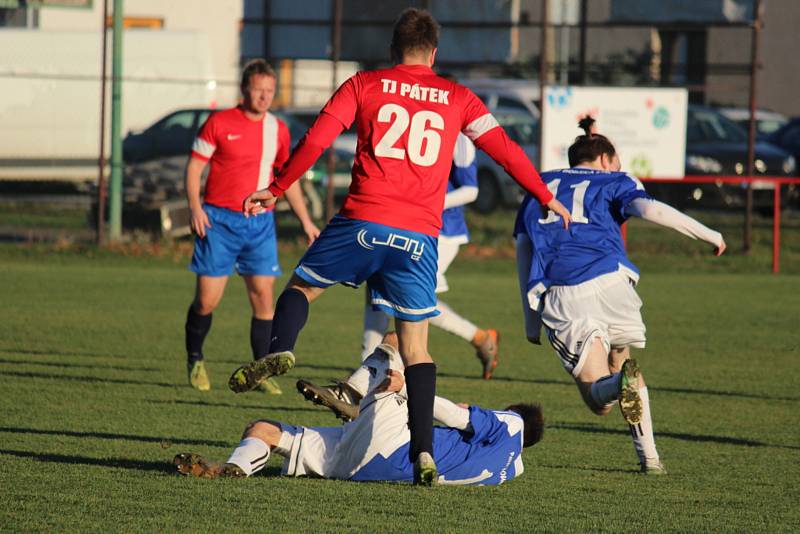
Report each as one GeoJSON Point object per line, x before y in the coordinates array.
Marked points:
{"type": "Point", "coordinates": [269, 147]}
{"type": "Point", "coordinates": [480, 126]}
{"type": "Point", "coordinates": [203, 147]}
{"type": "Point", "coordinates": [464, 151]}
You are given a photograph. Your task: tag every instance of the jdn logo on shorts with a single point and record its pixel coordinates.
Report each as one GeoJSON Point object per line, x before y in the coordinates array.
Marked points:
{"type": "Point", "coordinates": [400, 242]}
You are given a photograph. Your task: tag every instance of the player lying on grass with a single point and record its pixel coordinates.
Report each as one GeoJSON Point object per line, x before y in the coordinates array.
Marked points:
{"type": "Point", "coordinates": [581, 282]}
{"type": "Point", "coordinates": [475, 447]}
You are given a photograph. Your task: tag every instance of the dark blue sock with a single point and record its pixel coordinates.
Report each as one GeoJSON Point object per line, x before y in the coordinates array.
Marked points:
{"type": "Point", "coordinates": [197, 326]}
{"type": "Point", "coordinates": [421, 387]}
{"type": "Point", "coordinates": [260, 336]}
{"type": "Point", "coordinates": [291, 313]}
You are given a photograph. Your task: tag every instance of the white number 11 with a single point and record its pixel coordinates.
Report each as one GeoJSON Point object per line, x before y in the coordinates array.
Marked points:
{"type": "Point", "coordinates": [577, 203]}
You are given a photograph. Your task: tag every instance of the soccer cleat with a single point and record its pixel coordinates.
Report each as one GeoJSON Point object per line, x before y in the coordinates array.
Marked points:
{"type": "Point", "coordinates": [487, 352]}
{"type": "Point", "coordinates": [270, 386]}
{"type": "Point", "coordinates": [425, 472]}
{"type": "Point", "coordinates": [340, 398]}
{"type": "Point", "coordinates": [198, 378]}
{"type": "Point", "coordinates": [194, 465]}
{"type": "Point", "coordinates": [653, 468]}
{"type": "Point", "coordinates": [250, 375]}
{"type": "Point", "coordinates": [630, 404]}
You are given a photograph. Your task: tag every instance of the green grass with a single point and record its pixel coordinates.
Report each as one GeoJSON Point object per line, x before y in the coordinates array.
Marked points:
{"type": "Point", "coordinates": [95, 405]}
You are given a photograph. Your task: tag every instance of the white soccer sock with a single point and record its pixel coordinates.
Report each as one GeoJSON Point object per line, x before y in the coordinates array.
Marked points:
{"type": "Point", "coordinates": [642, 434]}
{"type": "Point", "coordinates": [606, 390]}
{"type": "Point", "coordinates": [250, 455]}
{"type": "Point", "coordinates": [450, 321]}
{"type": "Point", "coordinates": [376, 323]}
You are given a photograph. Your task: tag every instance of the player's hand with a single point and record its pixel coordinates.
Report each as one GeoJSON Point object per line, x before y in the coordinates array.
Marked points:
{"type": "Point", "coordinates": [720, 249]}
{"type": "Point", "coordinates": [258, 202]}
{"type": "Point", "coordinates": [394, 382]}
{"type": "Point", "coordinates": [199, 221]}
{"type": "Point", "coordinates": [311, 230]}
{"type": "Point", "coordinates": [561, 211]}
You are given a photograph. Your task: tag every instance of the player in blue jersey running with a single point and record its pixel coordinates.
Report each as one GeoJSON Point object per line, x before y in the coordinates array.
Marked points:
{"type": "Point", "coordinates": [476, 447]}
{"type": "Point", "coordinates": [462, 189]}
{"type": "Point", "coordinates": [580, 283]}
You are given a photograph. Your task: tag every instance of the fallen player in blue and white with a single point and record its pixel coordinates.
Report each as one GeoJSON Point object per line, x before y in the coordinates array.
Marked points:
{"type": "Point", "coordinates": [475, 447]}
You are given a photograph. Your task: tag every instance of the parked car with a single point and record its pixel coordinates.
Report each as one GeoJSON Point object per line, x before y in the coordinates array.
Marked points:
{"type": "Point", "coordinates": [715, 145]}
{"type": "Point", "coordinates": [495, 187]}
{"type": "Point", "coordinates": [787, 137]}
{"type": "Point", "coordinates": [767, 122]}
{"type": "Point", "coordinates": [507, 95]}
{"type": "Point", "coordinates": [155, 160]}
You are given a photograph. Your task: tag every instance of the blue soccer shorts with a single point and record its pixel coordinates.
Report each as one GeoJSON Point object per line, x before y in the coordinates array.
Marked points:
{"type": "Point", "coordinates": [247, 244]}
{"type": "Point", "coordinates": [399, 266]}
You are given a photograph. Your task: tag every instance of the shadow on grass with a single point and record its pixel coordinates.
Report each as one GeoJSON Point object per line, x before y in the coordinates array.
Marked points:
{"type": "Point", "coordinates": [165, 442]}
{"type": "Point", "coordinates": [87, 379]}
{"type": "Point", "coordinates": [79, 366]}
{"type": "Point", "coordinates": [587, 468]}
{"type": "Point", "coordinates": [123, 463]}
{"type": "Point", "coordinates": [261, 407]}
{"type": "Point", "coordinates": [60, 352]}
{"type": "Point", "coordinates": [740, 394]}
{"type": "Point", "coordinates": [300, 366]}
{"type": "Point", "coordinates": [697, 438]}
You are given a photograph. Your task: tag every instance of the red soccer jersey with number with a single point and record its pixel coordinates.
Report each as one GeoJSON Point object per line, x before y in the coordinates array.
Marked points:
{"type": "Point", "coordinates": [408, 119]}
{"type": "Point", "coordinates": [242, 152]}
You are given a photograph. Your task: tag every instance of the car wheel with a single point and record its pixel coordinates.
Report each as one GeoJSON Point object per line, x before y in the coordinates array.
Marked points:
{"type": "Point", "coordinates": [488, 193]}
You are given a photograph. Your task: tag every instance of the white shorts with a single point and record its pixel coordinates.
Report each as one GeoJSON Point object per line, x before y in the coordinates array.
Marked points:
{"type": "Point", "coordinates": [606, 307]}
{"type": "Point", "coordinates": [448, 250]}
{"type": "Point", "coordinates": [312, 450]}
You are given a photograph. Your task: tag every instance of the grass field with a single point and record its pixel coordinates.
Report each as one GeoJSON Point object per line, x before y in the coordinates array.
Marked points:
{"type": "Point", "coordinates": [95, 405]}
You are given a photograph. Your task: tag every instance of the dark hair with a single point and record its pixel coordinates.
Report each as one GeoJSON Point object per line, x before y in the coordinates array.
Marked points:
{"type": "Point", "coordinates": [415, 31]}
{"type": "Point", "coordinates": [589, 146]}
{"type": "Point", "coordinates": [534, 422]}
{"type": "Point", "coordinates": [255, 67]}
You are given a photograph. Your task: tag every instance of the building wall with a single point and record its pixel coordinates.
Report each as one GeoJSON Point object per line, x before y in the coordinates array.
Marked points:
{"type": "Point", "coordinates": [219, 20]}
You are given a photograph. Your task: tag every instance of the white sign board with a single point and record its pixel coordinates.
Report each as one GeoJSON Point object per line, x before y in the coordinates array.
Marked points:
{"type": "Point", "coordinates": [646, 125]}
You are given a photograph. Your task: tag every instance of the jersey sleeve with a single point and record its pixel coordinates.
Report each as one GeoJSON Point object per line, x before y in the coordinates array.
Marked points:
{"type": "Point", "coordinates": [476, 119]}
{"type": "Point", "coordinates": [206, 141]}
{"type": "Point", "coordinates": [344, 102]}
{"type": "Point", "coordinates": [284, 144]}
{"type": "Point", "coordinates": [627, 189]}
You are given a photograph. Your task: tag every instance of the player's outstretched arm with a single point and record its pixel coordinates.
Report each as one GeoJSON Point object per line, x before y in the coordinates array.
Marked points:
{"type": "Point", "coordinates": [450, 414]}
{"type": "Point", "coordinates": [665, 215]}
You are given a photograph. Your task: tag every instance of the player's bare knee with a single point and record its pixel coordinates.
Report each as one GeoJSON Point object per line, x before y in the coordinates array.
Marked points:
{"type": "Point", "coordinates": [204, 305]}
{"type": "Point", "coordinates": [391, 339]}
{"type": "Point", "coordinates": [261, 428]}
{"type": "Point", "coordinates": [601, 410]}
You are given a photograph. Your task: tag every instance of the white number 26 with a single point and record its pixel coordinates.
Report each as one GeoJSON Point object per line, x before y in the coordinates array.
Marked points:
{"type": "Point", "coordinates": [417, 135]}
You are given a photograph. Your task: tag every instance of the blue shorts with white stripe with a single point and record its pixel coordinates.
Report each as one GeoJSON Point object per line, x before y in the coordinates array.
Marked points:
{"type": "Point", "coordinates": [398, 265]}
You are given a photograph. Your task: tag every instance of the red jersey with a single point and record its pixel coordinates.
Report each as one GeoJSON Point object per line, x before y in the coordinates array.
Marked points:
{"type": "Point", "coordinates": [242, 153]}
{"type": "Point", "coordinates": [408, 119]}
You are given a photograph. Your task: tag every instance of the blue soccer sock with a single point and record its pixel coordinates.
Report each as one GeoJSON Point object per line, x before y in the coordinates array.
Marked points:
{"type": "Point", "coordinates": [421, 387]}
{"type": "Point", "coordinates": [291, 313]}
{"type": "Point", "coordinates": [196, 327]}
{"type": "Point", "coordinates": [260, 336]}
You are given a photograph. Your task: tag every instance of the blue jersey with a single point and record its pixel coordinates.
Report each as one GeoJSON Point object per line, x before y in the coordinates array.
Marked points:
{"type": "Point", "coordinates": [489, 453]}
{"type": "Point", "coordinates": [464, 172]}
{"type": "Point", "coordinates": [598, 202]}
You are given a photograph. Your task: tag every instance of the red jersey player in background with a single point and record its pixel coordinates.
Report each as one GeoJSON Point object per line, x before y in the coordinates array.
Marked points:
{"type": "Point", "coordinates": [242, 144]}
{"type": "Point", "coordinates": [408, 119]}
